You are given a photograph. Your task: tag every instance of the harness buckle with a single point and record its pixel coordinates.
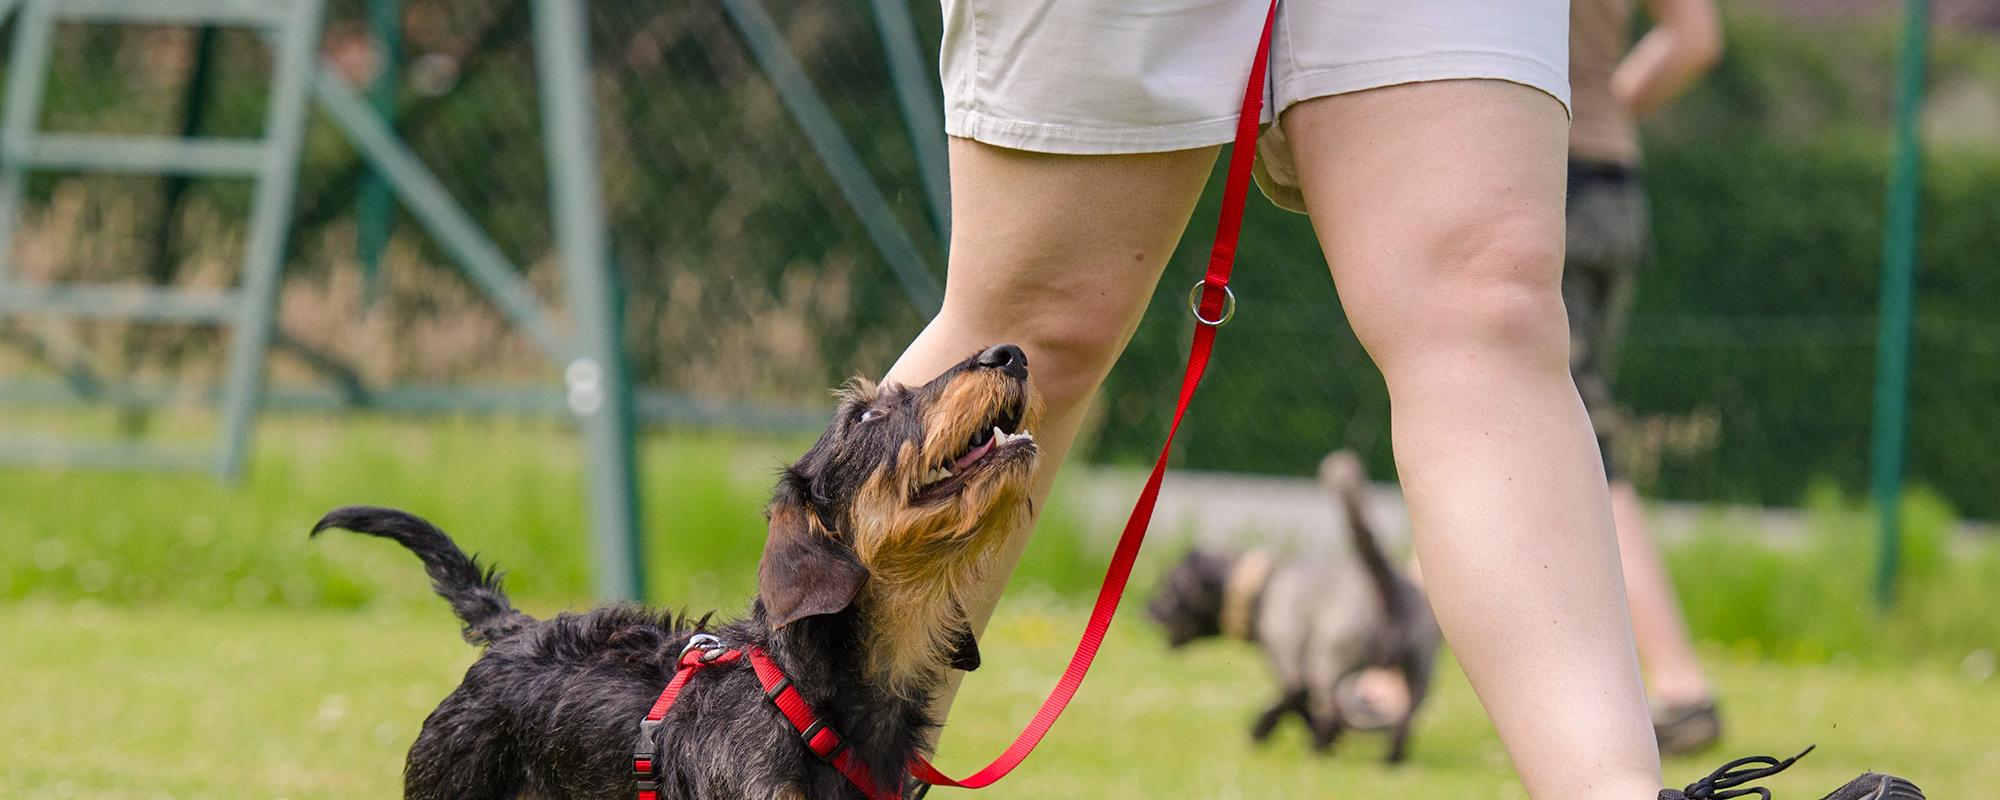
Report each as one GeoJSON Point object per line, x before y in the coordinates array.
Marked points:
{"type": "Point", "coordinates": [644, 755]}
{"type": "Point", "coordinates": [645, 763]}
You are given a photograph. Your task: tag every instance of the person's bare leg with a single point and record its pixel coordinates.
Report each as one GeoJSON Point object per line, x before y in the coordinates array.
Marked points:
{"type": "Point", "coordinates": [1058, 254]}
{"type": "Point", "coordinates": [1673, 671]}
{"type": "Point", "coordinates": [1440, 208]}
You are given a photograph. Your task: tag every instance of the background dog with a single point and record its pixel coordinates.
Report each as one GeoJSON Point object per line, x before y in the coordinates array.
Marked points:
{"type": "Point", "coordinates": [1320, 624]}
{"type": "Point", "coordinates": [907, 495]}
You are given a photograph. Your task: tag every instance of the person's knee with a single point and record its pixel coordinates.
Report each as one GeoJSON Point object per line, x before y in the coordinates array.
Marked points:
{"type": "Point", "coordinates": [1489, 287]}
{"type": "Point", "coordinates": [1072, 334]}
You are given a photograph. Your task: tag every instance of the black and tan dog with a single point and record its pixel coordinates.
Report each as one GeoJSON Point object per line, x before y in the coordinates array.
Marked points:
{"type": "Point", "coordinates": [905, 498]}
{"type": "Point", "coordinates": [1320, 624]}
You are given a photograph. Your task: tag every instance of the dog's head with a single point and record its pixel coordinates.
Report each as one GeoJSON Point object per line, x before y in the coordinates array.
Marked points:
{"type": "Point", "coordinates": [907, 494]}
{"type": "Point", "coordinates": [1189, 601]}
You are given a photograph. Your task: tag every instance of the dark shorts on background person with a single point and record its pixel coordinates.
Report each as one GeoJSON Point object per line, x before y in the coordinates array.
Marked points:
{"type": "Point", "coordinates": [1608, 241]}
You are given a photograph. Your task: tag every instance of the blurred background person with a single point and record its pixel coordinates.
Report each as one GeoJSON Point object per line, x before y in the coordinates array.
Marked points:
{"type": "Point", "coordinates": [1616, 81]}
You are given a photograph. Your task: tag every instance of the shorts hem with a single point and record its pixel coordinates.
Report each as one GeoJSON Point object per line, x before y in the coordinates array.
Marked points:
{"type": "Point", "coordinates": [1297, 87]}
{"type": "Point", "coordinates": [1062, 139]}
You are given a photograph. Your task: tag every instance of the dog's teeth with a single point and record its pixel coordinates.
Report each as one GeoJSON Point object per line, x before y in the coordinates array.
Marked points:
{"type": "Point", "coordinates": [936, 475]}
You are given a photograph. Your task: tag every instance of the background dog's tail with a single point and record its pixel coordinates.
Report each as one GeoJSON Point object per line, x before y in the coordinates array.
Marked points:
{"type": "Point", "coordinates": [1344, 475]}
{"type": "Point", "coordinates": [473, 591]}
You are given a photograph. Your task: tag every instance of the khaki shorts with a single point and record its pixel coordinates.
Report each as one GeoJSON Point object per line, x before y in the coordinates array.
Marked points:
{"type": "Point", "coordinates": [1147, 76]}
{"type": "Point", "coordinates": [1608, 243]}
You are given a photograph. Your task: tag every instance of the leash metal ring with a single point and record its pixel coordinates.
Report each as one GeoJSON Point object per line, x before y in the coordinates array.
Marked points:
{"type": "Point", "coordinates": [1228, 305]}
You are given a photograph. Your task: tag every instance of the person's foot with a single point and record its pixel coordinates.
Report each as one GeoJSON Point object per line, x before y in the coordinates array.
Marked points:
{"type": "Point", "coordinates": [1687, 728]}
{"type": "Point", "coordinates": [1729, 782]}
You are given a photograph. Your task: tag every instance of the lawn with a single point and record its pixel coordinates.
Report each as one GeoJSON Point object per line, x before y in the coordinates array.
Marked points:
{"type": "Point", "coordinates": [172, 637]}
{"type": "Point", "coordinates": [101, 702]}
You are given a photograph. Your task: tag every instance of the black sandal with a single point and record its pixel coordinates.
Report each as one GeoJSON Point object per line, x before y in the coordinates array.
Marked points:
{"type": "Point", "coordinates": [1688, 728]}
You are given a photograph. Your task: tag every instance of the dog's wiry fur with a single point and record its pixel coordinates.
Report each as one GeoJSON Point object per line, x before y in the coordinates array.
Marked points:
{"type": "Point", "coordinates": [1319, 624]}
{"type": "Point", "coordinates": [858, 602]}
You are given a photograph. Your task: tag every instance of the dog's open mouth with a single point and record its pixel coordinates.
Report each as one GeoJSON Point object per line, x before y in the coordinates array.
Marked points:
{"type": "Point", "coordinates": [995, 440]}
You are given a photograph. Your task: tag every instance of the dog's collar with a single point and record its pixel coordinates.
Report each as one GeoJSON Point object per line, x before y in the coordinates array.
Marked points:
{"type": "Point", "coordinates": [1241, 591]}
{"type": "Point", "coordinates": [820, 739]}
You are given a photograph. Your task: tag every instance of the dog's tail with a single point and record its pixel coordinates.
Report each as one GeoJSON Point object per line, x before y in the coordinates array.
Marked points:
{"type": "Point", "coordinates": [474, 592]}
{"type": "Point", "coordinates": [1343, 474]}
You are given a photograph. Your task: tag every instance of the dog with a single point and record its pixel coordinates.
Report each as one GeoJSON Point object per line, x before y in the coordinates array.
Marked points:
{"type": "Point", "coordinates": [873, 534]}
{"type": "Point", "coordinates": [1320, 624]}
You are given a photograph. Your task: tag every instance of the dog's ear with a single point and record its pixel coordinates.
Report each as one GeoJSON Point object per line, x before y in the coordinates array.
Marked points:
{"type": "Point", "coordinates": [806, 570]}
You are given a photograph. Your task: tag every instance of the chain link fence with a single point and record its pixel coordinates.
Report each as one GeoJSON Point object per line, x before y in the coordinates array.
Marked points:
{"type": "Point", "coordinates": [757, 268]}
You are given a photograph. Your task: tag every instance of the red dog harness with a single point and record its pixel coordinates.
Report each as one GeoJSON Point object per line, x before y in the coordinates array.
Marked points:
{"type": "Point", "coordinates": [821, 739]}
{"type": "Point", "coordinates": [1213, 304]}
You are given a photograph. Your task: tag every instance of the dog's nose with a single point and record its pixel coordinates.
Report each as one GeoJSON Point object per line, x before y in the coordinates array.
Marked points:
{"type": "Point", "coordinates": [1006, 358]}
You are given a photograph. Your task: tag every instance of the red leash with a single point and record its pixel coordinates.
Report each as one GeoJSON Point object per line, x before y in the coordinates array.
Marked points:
{"type": "Point", "coordinates": [1215, 306]}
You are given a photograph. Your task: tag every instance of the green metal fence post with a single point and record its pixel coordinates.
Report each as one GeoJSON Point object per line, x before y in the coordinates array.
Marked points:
{"type": "Point", "coordinates": [375, 208]}
{"type": "Point", "coordinates": [270, 228]}
{"type": "Point", "coordinates": [923, 116]}
{"type": "Point", "coordinates": [600, 394]}
{"type": "Point", "coordinates": [27, 78]}
{"type": "Point", "coordinates": [1899, 246]}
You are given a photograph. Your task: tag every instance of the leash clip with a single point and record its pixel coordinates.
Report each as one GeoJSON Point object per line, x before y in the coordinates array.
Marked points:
{"type": "Point", "coordinates": [709, 645]}
{"type": "Point", "coordinates": [1196, 295]}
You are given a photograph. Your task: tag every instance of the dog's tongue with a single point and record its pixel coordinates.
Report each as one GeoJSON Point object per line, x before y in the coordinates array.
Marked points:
{"type": "Point", "coordinates": [972, 455]}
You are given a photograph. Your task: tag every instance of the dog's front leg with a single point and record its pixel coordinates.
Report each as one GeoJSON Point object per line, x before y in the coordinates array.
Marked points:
{"type": "Point", "coordinates": [1323, 716]}
{"type": "Point", "coordinates": [1417, 676]}
{"type": "Point", "coordinates": [1289, 701]}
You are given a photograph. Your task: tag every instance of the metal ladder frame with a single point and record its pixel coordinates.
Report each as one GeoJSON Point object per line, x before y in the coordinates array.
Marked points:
{"type": "Point", "coordinates": [292, 29]}
{"type": "Point", "coordinates": [599, 390]}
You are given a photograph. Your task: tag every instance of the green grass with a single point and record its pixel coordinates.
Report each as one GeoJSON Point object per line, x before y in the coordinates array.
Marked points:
{"type": "Point", "coordinates": [509, 490]}
{"type": "Point", "coordinates": [506, 489]}
{"type": "Point", "coordinates": [270, 703]}
{"type": "Point", "coordinates": [1813, 601]}
{"type": "Point", "coordinates": [187, 631]}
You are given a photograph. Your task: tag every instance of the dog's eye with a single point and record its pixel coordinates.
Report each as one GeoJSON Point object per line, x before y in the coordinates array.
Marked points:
{"type": "Point", "coordinates": [872, 414]}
